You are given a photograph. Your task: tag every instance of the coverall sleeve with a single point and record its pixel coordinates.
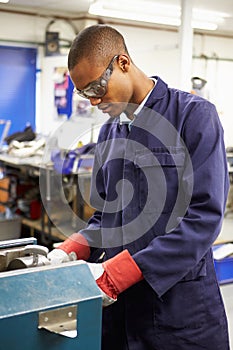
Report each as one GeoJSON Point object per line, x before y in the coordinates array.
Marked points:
{"type": "Point", "coordinates": [168, 258]}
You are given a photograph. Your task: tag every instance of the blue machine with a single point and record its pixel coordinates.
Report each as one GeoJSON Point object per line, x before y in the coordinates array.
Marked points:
{"type": "Point", "coordinates": [53, 307]}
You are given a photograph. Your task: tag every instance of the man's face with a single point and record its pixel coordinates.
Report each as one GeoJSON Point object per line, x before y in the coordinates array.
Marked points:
{"type": "Point", "coordinates": [108, 88]}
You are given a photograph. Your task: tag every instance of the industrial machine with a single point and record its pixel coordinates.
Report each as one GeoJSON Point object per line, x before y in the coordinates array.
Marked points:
{"type": "Point", "coordinates": [43, 306]}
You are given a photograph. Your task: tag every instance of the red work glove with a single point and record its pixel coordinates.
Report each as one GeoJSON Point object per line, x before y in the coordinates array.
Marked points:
{"type": "Point", "coordinates": [116, 275]}
{"type": "Point", "coordinates": [73, 248]}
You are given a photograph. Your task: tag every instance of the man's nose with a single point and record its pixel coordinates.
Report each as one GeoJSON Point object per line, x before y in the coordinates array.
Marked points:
{"type": "Point", "coordinates": [95, 100]}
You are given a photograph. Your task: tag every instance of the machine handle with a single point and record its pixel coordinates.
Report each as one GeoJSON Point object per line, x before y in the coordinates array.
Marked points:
{"type": "Point", "coordinates": [36, 250]}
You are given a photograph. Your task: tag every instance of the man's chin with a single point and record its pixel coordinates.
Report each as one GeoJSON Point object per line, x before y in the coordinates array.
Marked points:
{"type": "Point", "coordinates": [113, 110]}
{"type": "Point", "coordinates": [112, 113]}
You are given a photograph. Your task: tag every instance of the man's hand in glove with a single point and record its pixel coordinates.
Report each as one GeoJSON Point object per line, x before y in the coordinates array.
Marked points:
{"type": "Point", "coordinates": [112, 277]}
{"type": "Point", "coordinates": [73, 248]}
{"type": "Point", "coordinates": [115, 275]}
{"type": "Point", "coordinates": [58, 256]}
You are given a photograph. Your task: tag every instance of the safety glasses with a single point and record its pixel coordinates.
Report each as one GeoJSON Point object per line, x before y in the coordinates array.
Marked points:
{"type": "Point", "coordinates": [98, 87]}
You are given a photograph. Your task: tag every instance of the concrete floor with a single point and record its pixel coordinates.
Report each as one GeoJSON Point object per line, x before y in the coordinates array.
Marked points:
{"type": "Point", "coordinates": [227, 289]}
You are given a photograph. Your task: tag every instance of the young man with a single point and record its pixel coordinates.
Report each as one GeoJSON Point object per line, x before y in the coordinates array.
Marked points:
{"type": "Point", "coordinates": [159, 185]}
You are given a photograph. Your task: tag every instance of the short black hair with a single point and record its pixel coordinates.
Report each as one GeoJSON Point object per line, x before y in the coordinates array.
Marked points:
{"type": "Point", "coordinates": [98, 43]}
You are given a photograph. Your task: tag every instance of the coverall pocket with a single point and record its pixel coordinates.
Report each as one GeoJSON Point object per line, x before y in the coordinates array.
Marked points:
{"type": "Point", "coordinates": [183, 306]}
{"type": "Point", "coordinates": [159, 177]}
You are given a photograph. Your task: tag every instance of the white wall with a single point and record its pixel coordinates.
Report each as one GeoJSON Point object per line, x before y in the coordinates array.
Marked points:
{"type": "Point", "coordinates": [154, 51]}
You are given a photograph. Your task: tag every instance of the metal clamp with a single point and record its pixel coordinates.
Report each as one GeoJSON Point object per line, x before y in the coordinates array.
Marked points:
{"type": "Point", "coordinates": [35, 250]}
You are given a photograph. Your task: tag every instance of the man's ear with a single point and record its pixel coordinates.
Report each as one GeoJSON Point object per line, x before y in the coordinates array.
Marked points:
{"type": "Point", "coordinates": [124, 62]}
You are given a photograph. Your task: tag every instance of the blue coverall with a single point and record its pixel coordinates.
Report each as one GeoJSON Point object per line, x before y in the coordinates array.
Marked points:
{"type": "Point", "coordinates": [160, 189]}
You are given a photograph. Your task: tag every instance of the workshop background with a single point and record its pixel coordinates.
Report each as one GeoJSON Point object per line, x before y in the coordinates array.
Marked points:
{"type": "Point", "coordinates": [188, 43]}
{"type": "Point", "coordinates": [155, 47]}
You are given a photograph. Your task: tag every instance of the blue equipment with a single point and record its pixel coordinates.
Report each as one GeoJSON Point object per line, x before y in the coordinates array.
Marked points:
{"type": "Point", "coordinates": [52, 307]}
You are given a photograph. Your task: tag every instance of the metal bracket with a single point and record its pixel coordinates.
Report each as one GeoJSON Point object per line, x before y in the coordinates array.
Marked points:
{"type": "Point", "coordinates": [61, 321]}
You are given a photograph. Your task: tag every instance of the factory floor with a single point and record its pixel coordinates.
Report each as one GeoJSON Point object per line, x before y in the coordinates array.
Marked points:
{"type": "Point", "coordinates": [227, 289]}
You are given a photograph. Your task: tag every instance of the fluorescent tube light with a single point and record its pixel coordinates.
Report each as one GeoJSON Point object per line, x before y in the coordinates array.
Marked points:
{"type": "Point", "coordinates": [204, 25]}
{"type": "Point", "coordinates": [4, 1]}
{"type": "Point", "coordinates": [134, 16]}
{"type": "Point", "coordinates": [151, 12]}
{"type": "Point", "coordinates": [209, 16]}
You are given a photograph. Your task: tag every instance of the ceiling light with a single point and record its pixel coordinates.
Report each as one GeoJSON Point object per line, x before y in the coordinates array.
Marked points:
{"type": "Point", "coordinates": [151, 12]}
{"type": "Point", "coordinates": [209, 16]}
{"type": "Point", "coordinates": [204, 25]}
{"type": "Point", "coordinates": [134, 16]}
{"type": "Point", "coordinates": [4, 1]}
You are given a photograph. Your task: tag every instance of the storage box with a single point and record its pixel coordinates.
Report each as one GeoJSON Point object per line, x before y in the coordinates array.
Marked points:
{"type": "Point", "coordinates": [224, 268]}
{"type": "Point", "coordinates": [10, 228]}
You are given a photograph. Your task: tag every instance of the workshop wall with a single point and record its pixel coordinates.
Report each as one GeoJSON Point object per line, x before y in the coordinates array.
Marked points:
{"type": "Point", "coordinates": [155, 51]}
